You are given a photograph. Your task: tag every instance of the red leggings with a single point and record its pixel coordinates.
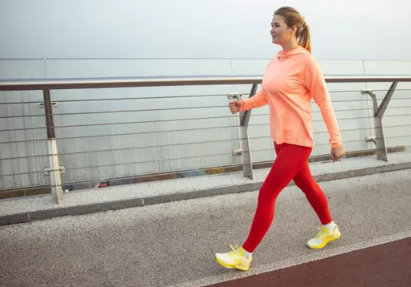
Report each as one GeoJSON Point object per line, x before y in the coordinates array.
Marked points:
{"type": "Point", "coordinates": [291, 163]}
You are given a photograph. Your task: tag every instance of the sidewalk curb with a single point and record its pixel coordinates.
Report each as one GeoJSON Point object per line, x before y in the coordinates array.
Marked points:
{"type": "Point", "coordinates": [151, 200]}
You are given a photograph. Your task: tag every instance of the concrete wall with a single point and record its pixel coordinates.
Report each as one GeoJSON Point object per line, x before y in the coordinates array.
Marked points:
{"type": "Point", "coordinates": [83, 39]}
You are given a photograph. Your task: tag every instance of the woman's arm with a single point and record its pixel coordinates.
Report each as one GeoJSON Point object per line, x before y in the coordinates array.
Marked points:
{"type": "Point", "coordinates": [258, 100]}
{"type": "Point", "coordinates": [243, 105]}
{"type": "Point", "coordinates": [316, 85]}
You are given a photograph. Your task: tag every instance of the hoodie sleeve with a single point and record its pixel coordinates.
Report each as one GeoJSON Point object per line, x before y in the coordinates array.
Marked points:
{"type": "Point", "coordinates": [316, 85]}
{"type": "Point", "coordinates": [258, 100]}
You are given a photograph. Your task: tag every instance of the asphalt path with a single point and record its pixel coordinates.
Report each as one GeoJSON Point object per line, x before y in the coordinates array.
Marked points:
{"type": "Point", "coordinates": [173, 244]}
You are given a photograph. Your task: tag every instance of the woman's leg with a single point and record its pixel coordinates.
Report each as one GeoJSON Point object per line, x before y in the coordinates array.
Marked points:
{"type": "Point", "coordinates": [329, 231]}
{"type": "Point", "coordinates": [305, 181]}
{"type": "Point", "coordinates": [290, 160]}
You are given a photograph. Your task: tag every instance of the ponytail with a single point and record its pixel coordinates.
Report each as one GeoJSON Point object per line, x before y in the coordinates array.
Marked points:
{"type": "Point", "coordinates": [304, 38]}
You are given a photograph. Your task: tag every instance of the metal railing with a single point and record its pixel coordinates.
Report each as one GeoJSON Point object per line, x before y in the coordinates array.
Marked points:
{"type": "Point", "coordinates": [46, 86]}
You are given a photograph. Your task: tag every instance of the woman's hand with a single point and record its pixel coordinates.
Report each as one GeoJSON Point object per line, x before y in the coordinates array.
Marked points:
{"type": "Point", "coordinates": [235, 106]}
{"type": "Point", "coordinates": [337, 153]}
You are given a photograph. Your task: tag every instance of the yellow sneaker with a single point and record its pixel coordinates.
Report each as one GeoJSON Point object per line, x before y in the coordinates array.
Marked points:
{"type": "Point", "coordinates": [323, 237]}
{"type": "Point", "coordinates": [234, 259]}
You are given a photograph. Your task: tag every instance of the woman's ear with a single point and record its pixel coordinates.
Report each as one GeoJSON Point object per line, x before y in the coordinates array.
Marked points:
{"type": "Point", "coordinates": [294, 29]}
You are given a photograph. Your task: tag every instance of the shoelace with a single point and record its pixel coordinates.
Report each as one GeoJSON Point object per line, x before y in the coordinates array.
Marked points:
{"type": "Point", "coordinates": [234, 250]}
{"type": "Point", "coordinates": [320, 234]}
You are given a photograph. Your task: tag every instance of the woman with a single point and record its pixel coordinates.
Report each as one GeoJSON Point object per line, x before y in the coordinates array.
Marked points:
{"type": "Point", "coordinates": [291, 80]}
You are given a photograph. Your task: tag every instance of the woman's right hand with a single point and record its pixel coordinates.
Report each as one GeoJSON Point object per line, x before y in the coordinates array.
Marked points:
{"type": "Point", "coordinates": [235, 106]}
{"type": "Point", "coordinates": [337, 153]}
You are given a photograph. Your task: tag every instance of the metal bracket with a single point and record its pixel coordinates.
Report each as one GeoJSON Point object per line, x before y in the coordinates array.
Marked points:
{"type": "Point", "coordinates": [244, 149]}
{"type": "Point", "coordinates": [367, 92]}
{"type": "Point", "coordinates": [379, 111]}
{"type": "Point", "coordinates": [47, 170]}
{"type": "Point", "coordinates": [53, 103]}
{"type": "Point", "coordinates": [237, 151]}
{"type": "Point", "coordinates": [371, 139]}
{"type": "Point", "coordinates": [234, 96]}
{"type": "Point", "coordinates": [244, 141]}
{"type": "Point", "coordinates": [245, 117]}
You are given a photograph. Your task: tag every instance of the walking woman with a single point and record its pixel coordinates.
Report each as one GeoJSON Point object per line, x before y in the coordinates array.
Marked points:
{"type": "Point", "coordinates": [291, 80]}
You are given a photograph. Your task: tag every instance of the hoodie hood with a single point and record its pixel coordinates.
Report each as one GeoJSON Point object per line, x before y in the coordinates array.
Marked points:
{"type": "Point", "coordinates": [285, 54]}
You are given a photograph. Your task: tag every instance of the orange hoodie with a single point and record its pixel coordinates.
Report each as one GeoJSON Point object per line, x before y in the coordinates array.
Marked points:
{"type": "Point", "coordinates": [290, 81]}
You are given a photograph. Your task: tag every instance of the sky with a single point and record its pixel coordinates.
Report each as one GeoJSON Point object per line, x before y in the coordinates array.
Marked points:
{"type": "Point", "coordinates": [198, 29]}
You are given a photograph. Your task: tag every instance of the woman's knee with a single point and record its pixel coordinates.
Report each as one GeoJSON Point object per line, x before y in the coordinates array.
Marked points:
{"type": "Point", "coordinates": [267, 195]}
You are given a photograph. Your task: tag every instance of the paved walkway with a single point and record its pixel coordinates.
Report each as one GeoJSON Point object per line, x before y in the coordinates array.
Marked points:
{"type": "Point", "coordinates": [172, 243]}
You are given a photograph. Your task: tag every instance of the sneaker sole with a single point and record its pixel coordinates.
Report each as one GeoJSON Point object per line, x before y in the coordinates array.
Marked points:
{"type": "Point", "coordinates": [325, 242]}
{"type": "Point", "coordinates": [228, 266]}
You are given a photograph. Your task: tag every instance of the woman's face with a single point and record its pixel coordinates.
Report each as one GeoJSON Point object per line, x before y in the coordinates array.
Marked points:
{"type": "Point", "coordinates": [281, 34]}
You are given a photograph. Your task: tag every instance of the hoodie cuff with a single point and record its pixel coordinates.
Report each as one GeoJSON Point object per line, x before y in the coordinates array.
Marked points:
{"type": "Point", "coordinates": [242, 107]}
{"type": "Point", "coordinates": [337, 144]}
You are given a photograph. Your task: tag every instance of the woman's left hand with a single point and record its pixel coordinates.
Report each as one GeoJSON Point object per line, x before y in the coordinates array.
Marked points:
{"type": "Point", "coordinates": [337, 153]}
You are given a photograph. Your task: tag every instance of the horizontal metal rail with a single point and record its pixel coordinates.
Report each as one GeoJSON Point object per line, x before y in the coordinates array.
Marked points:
{"type": "Point", "coordinates": [178, 120]}
{"type": "Point", "coordinates": [94, 83]}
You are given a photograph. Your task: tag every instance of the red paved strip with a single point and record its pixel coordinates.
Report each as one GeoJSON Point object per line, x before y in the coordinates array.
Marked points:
{"type": "Point", "coordinates": [386, 265]}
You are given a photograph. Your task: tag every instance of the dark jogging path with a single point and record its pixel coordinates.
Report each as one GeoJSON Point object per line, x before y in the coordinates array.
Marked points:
{"type": "Point", "coordinates": [385, 265]}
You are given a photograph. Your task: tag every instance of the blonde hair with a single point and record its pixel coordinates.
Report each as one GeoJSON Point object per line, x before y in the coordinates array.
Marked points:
{"type": "Point", "coordinates": [293, 18]}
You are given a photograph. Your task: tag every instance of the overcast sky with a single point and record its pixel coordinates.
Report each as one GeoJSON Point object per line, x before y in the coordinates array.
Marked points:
{"type": "Point", "coordinates": [341, 29]}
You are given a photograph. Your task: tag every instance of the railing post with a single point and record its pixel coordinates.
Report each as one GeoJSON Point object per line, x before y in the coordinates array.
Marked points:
{"type": "Point", "coordinates": [378, 115]}
{"type": "Point", "coordinates": [244, 141]}
{"type": "Point", "coordinates": [54, 165]}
